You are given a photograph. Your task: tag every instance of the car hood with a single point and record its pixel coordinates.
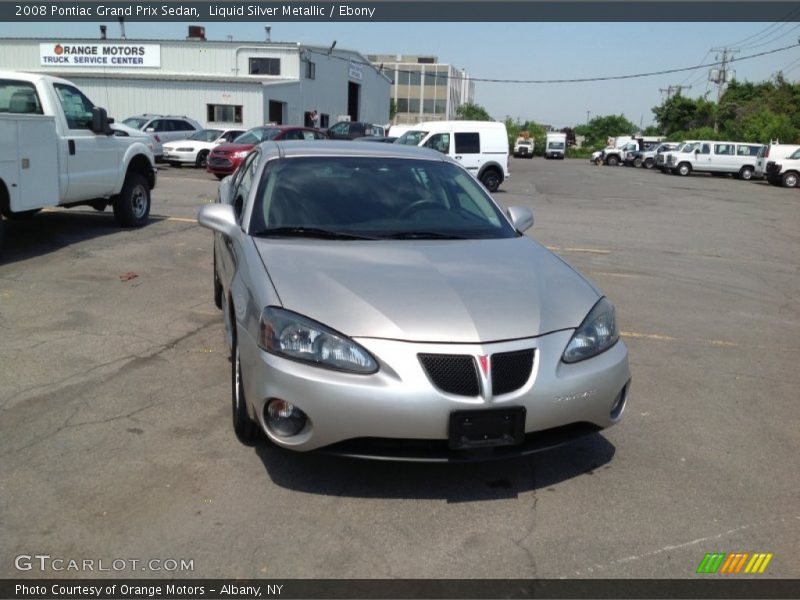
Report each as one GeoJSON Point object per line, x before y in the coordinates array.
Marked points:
{"type": "Point", "coordinates": [232, 147]}
{"type": "Point", "coordinates": [471, 291]}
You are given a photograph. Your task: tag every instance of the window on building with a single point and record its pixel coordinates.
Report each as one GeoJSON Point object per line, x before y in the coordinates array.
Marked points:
{"type": "Point", "coordinates": [324, 120]}
{"type": "Point", "coordinates": [265, 66]}
{"type": "Point", "coordinates": [434, 106]}
{"type": "Point", "coordinates": [224, 113]}
{"type": "Point", "coordinates": [409, 78]}
{"type": "Point", "coordinates": [311, 70]}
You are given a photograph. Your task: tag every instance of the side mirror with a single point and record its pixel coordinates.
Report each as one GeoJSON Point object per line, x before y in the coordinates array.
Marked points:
{"type": "Point", "coordinates": [219, 218]}
{"type": "Point", "coordinates": [101, 122]}
{"type": "Point", "coordinates": [521, 217]}
{"type": "Point", "coordinates": [697, 150]}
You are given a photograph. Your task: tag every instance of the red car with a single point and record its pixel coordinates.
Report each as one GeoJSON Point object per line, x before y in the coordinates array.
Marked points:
{"type": "Point", "coordinates": [225, 158]}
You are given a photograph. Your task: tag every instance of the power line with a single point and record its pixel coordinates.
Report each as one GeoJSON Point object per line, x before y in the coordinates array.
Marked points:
{"type": "Point", "coordinates": [580, 79]}
{"type": "Point", "coordinates": [789, 16]}
{"type": "Point", "coordinates": [772, 41]}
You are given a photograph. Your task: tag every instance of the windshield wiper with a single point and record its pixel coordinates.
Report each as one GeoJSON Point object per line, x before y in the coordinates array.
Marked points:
{"type": "Point", "coordinates": [422, 235]}
{"type": "Point", "coordinates": [311, 232]}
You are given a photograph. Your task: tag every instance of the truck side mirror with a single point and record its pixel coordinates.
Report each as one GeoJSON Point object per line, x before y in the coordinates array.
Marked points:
{"type": "Point", "coordinates": [100, 121]}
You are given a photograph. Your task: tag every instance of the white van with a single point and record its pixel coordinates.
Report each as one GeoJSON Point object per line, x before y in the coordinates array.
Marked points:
{"type": "Point", "coordinates": [480, 146]}
{"type": "Point", "coordinates": [772, 153]}
{"type": "Point", "coordinates": [786, 171]}
{"type": "Point", "coordinates": [715, 157]}
{"type": "Point", "coordinates": [555, 145]}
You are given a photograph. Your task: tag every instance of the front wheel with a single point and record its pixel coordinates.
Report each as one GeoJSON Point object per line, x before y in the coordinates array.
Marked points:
{"type": "Point", "coordinates": [217, 285]}
{"type": "Point", "coordinates": [132, 205]}
{"type": "Point", "coordinates": [789, 179]}
{"type": "Point", "coordinates": [200, 161]}
{"type": "Point", "coordinates": [648, 163]}
{"type": "Point", "coordinates": [491, 180]}
{"type": "Point", "coordinates": [637, 162]}
{"type": "Point", "coordinates": [220, 176]}
{"type": "Point", "coordinates": [243, 426]}
{"type": "Point", "coordinates": [683, 169]}
{"type": "Point", "coordinates": [22, 215]}
{"type": "Point", "coordinates": [612, 161]}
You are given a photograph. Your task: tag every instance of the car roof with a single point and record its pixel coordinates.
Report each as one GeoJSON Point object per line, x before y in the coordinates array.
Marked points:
{"type": "Point", "coordinates": [298, 148]}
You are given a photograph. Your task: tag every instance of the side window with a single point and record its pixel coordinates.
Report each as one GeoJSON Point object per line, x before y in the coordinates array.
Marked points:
{"type": "Point", "coordinates": [293, 135]}
{"type": "Point", "coordinates": [182, 125]}
{"type": "Point", "coordinates": [77, 107]}
{"type": "Point", "coordinates": [705, 149]}
{"type": "Point", "coordinates": [244, 181]}
{"type": "Point", "coordinates": [159, 125]}
{"type": "Point", "coordinates": [310, 135]}
{"type": "Point", "coordinates": [19, 97]}
{"type": "Point", "coordinates": [723, 149]}
{"type": "Point", "coordinates": [318, 135]}
{"type": "Point", "coordinates": [440, 142]}
{"type": "Point", "coordinates": [468, 143]}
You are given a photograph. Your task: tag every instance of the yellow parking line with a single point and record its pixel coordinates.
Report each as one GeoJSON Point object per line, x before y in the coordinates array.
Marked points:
{"type": "Point", "coordinates": [584, 250]}
{"type": "Point", "coordinates": [668, 338]}
{"type": "Point", "coordinates": [609, 274]}
{"type": "Point", "coordinates": [181, 219]}
{"type": "Point", "coordinates": [648, 336]}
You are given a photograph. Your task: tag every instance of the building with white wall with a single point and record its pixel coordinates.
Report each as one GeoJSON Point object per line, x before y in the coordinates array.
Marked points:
{"type": "Point", "coordinates": [423, 88]}
{"type": "Point", "coordinates": [214, 82]}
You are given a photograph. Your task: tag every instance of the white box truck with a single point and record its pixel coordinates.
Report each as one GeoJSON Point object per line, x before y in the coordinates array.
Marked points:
{"type": "Point", "coordinates": [555, 145]}
{"type": "Point", "coordinates": [58, 149]}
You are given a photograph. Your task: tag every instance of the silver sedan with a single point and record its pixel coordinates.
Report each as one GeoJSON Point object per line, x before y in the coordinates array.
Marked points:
{"type": "Point", "coordinates": [378, 303]}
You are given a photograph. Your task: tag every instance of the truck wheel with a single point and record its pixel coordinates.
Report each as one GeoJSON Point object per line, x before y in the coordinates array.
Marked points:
{"type": "Point", "coordinates": [648, 163]}
{"type": "Point", "coordinates": [789, 179]}
{"type": "Point", "coordinates": [200, 162]}
{"type": "Point", "coordinates": [612, 161]}
{"type": "Point", "coordinates": [637, 162]}
{"type": "Point", "coordinates": [132, 205]}
{"type": "Point", "coordinates": [746, 173]}
{"type": "Point", "coordinates": [683, 169]}
{"type": "Point", "coordinates": [490, 179]}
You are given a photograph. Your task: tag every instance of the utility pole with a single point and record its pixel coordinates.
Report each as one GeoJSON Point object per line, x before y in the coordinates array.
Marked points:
{"type": "Point", "coordinates": [722, 75]}
{"type": "Point", "coordinates": [588, 112]}
{"type": "Point", "coordinates": [674, 90]}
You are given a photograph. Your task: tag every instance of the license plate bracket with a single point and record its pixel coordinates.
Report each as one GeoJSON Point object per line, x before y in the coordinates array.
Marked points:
{"type": "Point", "coordinates": [487, 428]}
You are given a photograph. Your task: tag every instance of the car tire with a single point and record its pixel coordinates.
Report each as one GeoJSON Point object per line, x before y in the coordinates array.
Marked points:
{"type": "Point", "coordinates": [683, 169]}
{"type": "Point", "coordinates": [648, 163]}
{"type": "Point", "coordinates": [132, 204]}
{"type": "Point", "coordinates": [174, 164]}
{"type": "Point", "coordinates": [746, 173]}
{"type": "Point", "coordinates": [598, 161]}
{"type": "Point", "coordinates": [491, 179]}
{"type": "Point", "coordinates": [612, 161]}
{"type": "Point", "coordinates": [243, 426]}
{"type": "Point", "coordinates": [217, 286]}
{"type": "Point", "coordinates": [790, 179]}
{"type": "Point", "coordinates": [637, 162]}
{"type": "Point", "coordinates": [200, 161]}
{"type": "Point", "coordinates": [220, 176]}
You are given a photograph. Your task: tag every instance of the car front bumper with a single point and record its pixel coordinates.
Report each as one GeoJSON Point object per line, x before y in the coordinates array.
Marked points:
{"type": "Point", "coordinates": [399, 403]}
{"type": "Point", "coordinates": [181, 157]}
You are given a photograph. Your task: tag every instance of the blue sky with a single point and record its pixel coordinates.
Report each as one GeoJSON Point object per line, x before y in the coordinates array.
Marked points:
{"type": "Point", "coordinates": [524, 51]}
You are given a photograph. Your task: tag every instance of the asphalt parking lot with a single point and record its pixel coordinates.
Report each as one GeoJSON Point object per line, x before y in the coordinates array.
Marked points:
{"type": "Point", "coordinates": [115, 429]}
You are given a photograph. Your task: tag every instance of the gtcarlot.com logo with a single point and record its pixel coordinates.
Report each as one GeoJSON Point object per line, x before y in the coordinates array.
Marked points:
{"type": "Point", "coordinates": [735, 563]}
{"type": "Point", "coordinates": [45, 562]}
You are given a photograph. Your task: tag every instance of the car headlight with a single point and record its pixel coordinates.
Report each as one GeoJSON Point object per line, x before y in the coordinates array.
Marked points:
{"type": "Point", "coordinates": [241, 153]}
{"type": "Point", "coordinates": [596, 334]}
{"type": "Point", "coordinates": [296, 337]}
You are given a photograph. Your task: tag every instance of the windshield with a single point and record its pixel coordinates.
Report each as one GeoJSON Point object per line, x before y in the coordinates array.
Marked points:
{"type": "Point", "coordinates": [556, 145]}
{"type": "Point", "coordinates": [135, 122]}
{"type": "Point", "coordinates": [376, 198]}
{"type": "Point", "coordinates": [205, 135]}
{"type": "Point", "coordinates": [257, 135]}
{"type": "Point", "coordinates": [411, 138]}
{"type": "Point", "coordinates": [688, 147]}
{"type": "Point", "coordinates": [795, 155]}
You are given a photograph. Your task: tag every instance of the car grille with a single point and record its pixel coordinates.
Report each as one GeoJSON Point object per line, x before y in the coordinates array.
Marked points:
{"type": "Point", "coordinates": [511, 370]}
{"type": "Point", "coordinates": [216, 161]}
{"type": "Point", "coordinates": [458, 373]}
{"type": "Point", "coordinates": [452, 373]}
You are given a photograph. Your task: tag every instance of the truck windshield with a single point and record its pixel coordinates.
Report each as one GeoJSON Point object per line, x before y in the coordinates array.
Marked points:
{"type": "Point", "coordinates": [411, 138]}
{"type": "Point", "coordinates": [556, 145]}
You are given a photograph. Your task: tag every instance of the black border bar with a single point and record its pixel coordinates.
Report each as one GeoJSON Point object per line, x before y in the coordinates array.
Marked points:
{"type": "Point", "coordinates": [417, 11]}
{"type": "Point", "coordinates": [711, 587]}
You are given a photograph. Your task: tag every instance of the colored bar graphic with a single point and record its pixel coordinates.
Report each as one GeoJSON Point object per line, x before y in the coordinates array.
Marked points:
{"type": "Point", "coordinates": [711, 562]}
{"type": "Point", "coordinates": [722, 563]}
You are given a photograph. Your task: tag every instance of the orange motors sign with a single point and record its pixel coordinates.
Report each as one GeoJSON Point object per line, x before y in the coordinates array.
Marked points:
{"type": "Point", "coordinates": [104, 55]}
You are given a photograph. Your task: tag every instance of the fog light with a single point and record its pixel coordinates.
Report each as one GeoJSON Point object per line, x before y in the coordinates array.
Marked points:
{"type": "Point", "coordinates": [619, 402]}
{"type": "Point", "coordinates": [284, 418]}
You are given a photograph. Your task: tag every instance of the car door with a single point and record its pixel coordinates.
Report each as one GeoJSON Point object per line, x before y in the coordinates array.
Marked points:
{"type": "Point", "coordinates": [227, 249]}
{"type": "Point", "coordinates": [466, 149]}
{"type": "Point", "coordinates": [92, 159]}
{"type": "Point", "coordinates": [439, 142]}
{"type": "Point", "coordinates": [702, 157]}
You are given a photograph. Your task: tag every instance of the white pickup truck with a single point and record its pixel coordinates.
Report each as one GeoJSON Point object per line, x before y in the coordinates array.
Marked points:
{"type": "Point", "coordinates": [57, 149]}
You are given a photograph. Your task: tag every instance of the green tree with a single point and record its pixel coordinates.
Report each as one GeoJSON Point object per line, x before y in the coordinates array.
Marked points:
{"type": "Point", "coordinates": [680, 113]}
{"type": "Point", "coordinates": [599, 129]}
{"type": "Point", "coordinates": [472, 112]}
{"type": "Point", "coordinates": [392, 109]}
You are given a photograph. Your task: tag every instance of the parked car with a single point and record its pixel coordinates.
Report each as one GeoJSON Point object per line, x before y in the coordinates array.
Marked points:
{"type": "Point", "coordinates": [225, 158]}
{"type": "Point", "coordinates": [386, 139]}
{"type": "Point", "coordinates": [58, 149]}
{"type": "Point", "coordinates": [121, 130]}
{"type": "Point", "coordinates": [786, 171]}
{"type": "Point", "coordinates": [773, 152]}
{"type": "Point", "coordinates": [644, 154]}
{"type": "Point", "coordinates": [163, 128]}
{"type": "Point", "coordinates": [350, 130]}
{"type": "Point", "coordinates": [194, 150]}
{"type": "Point", "coordinates": [712, 156]}
{"type": "Point", "coordinates": [480, 146]}
{"type": "Point", "coordinates": [378, 303]}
